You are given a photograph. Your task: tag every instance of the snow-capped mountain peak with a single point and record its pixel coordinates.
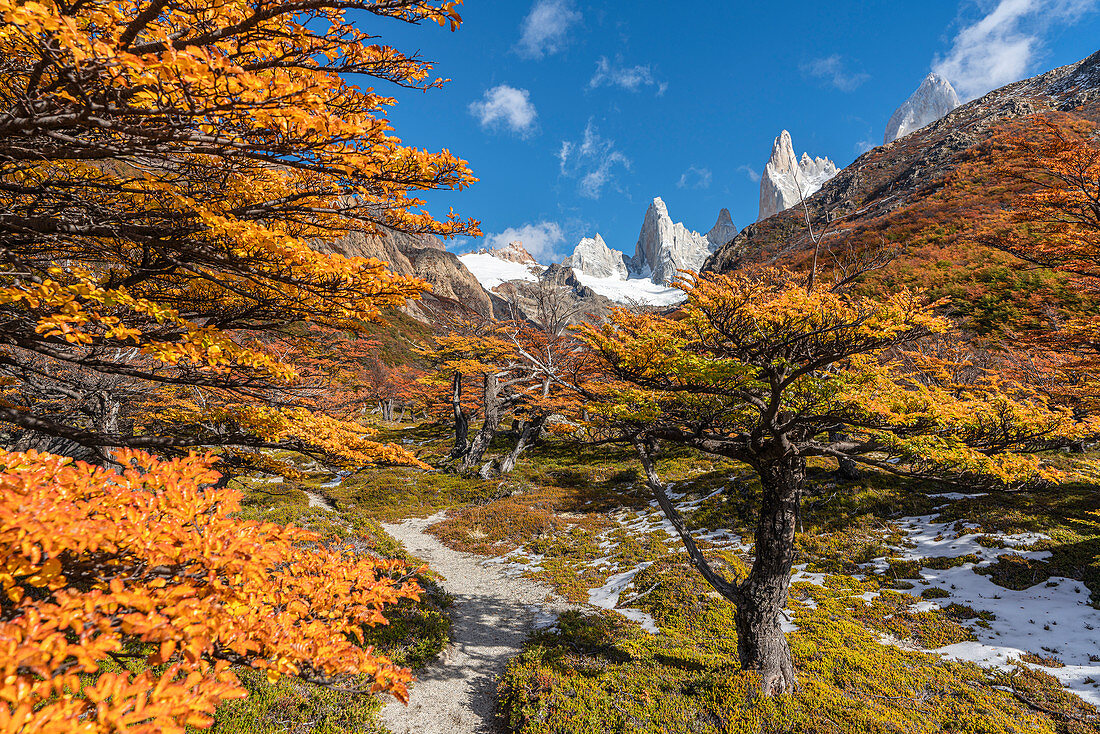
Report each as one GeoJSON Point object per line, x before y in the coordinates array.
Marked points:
{"type": "Point", "coordinates": [788, 179]}
{"type": "Point", "coordinates": [934, 98]}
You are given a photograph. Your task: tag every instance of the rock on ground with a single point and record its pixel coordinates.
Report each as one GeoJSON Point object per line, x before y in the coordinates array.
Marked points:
{"type": "Point", "coordinates": [491, 616]}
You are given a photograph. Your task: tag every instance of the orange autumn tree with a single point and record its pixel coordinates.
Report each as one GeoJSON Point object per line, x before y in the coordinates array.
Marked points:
{"type": "Point", "coordinates": [1055, 224]}
{"type": "Point", "coordinates": [104, 573]}
{"type": "Point", "coordinates": [164, 168]}
{"type": "Point", "coordinates": [526, 368]}
{"type": "Point", "coordinates": [759, 368]}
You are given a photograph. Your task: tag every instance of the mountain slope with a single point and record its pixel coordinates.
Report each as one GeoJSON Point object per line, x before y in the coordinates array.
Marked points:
{"type": "Point", "coordinates": [422, 255]}
{"type": "Point", "coordinates": [899, 195]}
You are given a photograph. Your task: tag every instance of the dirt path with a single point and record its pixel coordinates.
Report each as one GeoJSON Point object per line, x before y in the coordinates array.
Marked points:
{"type": "Point", "coordinates": [491, 616]}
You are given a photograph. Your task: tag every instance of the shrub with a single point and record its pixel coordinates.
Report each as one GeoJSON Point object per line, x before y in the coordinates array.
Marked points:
{"type": "Point", "coordinates": [129, 597]}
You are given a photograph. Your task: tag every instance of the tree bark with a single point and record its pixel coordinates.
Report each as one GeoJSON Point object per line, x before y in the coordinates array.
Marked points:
{"type": "Point", "coordinates": [760, 598]}
{"type": "Point", "coordinates": [108, 408]}
{"type": "Point", "coordinates": [761, 644]}
{"type": "Point", "coordinates": [846, 469]}
{"type": "Point", "coordinates": [528, 434]}
{"type": "Point", "coordinates": [462, 421]}
{"type": "Point", "coordinates": [489, 427]}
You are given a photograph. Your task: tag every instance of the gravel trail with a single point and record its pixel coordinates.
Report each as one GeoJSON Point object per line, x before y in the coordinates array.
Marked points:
{"type": "Point", "coordinates": [491, 616]}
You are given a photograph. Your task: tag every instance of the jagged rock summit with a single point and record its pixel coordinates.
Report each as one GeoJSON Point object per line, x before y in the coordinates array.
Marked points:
{"type": "Point", "coordinates": [787, 180]}
{"type": "Point", "coordinates": [513, 252]}
{"type": "Point", "coordinates": [665, 246]}
{"type": "Point", "coordinates": [723, 230]}
{"type": "Point", "coordinates": [593, 257]}
{"type": "Point", "coordinates": [934, 98]}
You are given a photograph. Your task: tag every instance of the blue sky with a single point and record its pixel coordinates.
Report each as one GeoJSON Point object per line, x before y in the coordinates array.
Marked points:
{"type": "Point", "coordinates": [575, 114]}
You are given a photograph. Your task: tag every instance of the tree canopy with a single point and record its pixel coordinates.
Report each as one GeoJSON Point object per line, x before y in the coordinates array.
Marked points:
{"type": "Point", "coordinates": [104, 568]}
{"type": "Point", "coordinates": [164, 169]}
{"type": "Point", "coordinates": [759, 367]}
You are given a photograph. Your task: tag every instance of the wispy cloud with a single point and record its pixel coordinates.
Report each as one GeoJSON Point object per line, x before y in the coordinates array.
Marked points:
{"type": "Point", "coordinates": [751, 172]}
{"type": "Point", "coordinates": [593, 161]}
{"type": "Point", "coordinates": [508, 107]}
{"type": "Point", "coordinates": [545, 29]}
{"type": "Point", "coordinates": [695, 178]}
{"type": "Point", "coordinates": [617, 74]}
{"type": "Point", "coordinates": [833, 70]}
{"type": "Point", "coordinates": [862, 146]}
{"type": "Point", "coordinates": [541, 239]}
{"type": "Point", "coordinates": [1002, 45]}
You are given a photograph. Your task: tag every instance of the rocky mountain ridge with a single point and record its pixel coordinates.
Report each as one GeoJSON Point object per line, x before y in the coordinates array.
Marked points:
{"type": "Point", "coordinates": [664, 247]}
{"type": "Point", "coordinates": [593, 257]}
{"type": "Point", "coordinates": [512, 252]}
{"type": "Point", "coordinates": [424, 256]}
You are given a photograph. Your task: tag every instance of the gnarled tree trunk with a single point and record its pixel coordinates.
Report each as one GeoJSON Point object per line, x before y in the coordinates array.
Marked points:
{"type": "Point", "coordinates": [462, 421]}
{"type": "Point", "coordinates": [527, 436]}
{"type": "Point", "coordinates": [492, 407]}
{"type": "Point", "coordinates": [761, 644]}
{"type": "Point", "coordinates": [761, 598]}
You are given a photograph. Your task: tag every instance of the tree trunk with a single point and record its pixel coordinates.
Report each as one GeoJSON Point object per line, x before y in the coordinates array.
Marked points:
{"type": "Point", "coordinates": [761, 598]}
{"type": "Point", "coordinates": [462, 422]}
{"type": "Point", "coordinates": [489, 427]}
{"type": "Point", "coordinates": [761, 644]}
{"type": "Point", "coordinates": [527, 436]}
{"type": "Point", "coordinates": [108, 409]}
{"type": "Point", "coordinates": [846, 469]}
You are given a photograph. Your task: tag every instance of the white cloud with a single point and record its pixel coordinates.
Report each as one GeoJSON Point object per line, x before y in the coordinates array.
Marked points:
{"type": "Point", "coordinates": [541, 239]}
{"type": "Point", "coordinates": [593, 161]}
{"type": "Point", "coordinates": [545, 29]}
{"type": "Point", "coordinates": [631, 78]}
{"type": "Point", "coordinates": [506, 106]}
{"type": "Point", "coordinates": [751, 172]}
{"type": "Point", "coordinates": [833, 70]}
{"type": "Point", "coordinates": [695, 178]}
{"type": "Point", "coordinates": [1001, 46]}
{"type": "Point", "coordinates": [862, 146]}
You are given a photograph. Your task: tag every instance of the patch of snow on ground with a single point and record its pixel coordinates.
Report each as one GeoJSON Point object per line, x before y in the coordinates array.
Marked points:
{"type": "Point", "coordinates": [1050, 618]}
{"type": "Point", "coordinates": [518, 562]}
{"type": "Point", "coordinates": [607, 597]}
{"type": "Point", "coordinates": [336, 480]}
{"type": "Point", "coordinates": [492, 271]}
{"type": "Point", "coordinates": [642, 290]}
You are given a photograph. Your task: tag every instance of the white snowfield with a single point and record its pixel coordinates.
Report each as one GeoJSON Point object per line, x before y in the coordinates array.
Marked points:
{"type": "Point", "coordinates": [639, 290]}
{"type": "Point", "coordinates": [491, 272]}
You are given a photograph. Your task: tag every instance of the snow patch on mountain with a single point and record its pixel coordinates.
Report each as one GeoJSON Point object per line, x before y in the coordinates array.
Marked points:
{"type": "Point", "coordinates": [787, 180]}
{"type": "Point", "coordinates": [491, 270]}
{"type": "Point", "coordinates": [934, 98]}
{"type": "Point", "coordinates": [632, 290]}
